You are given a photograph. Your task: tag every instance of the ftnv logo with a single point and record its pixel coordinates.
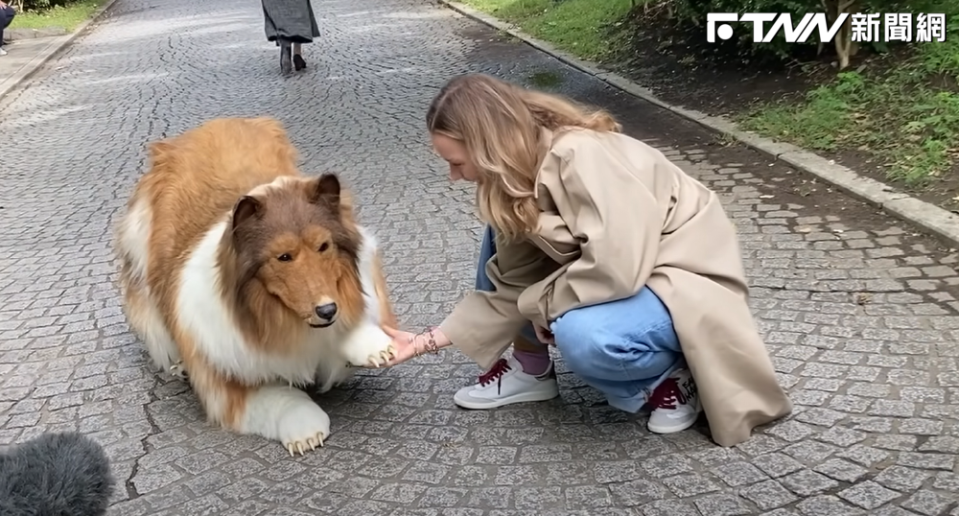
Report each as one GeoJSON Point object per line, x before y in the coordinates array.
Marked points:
{"type": "Point", "coordinates": [864, 27]}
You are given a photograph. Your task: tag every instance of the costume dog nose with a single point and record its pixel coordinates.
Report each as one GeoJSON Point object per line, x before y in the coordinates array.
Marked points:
{"type": "Point", "coordinates": [326, 311]}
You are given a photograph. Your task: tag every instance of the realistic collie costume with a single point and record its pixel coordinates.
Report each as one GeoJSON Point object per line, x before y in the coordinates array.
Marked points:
{"type": "Point", "coordinates": [63, 474]}
{"type": "Point", "coordinates": [250, 277]}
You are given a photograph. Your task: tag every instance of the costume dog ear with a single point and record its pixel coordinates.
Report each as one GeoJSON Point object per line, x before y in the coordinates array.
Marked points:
{"type": "Point", "coordinates": [248, 206]}
{"type": "Point", "coordinates": [325, 191]}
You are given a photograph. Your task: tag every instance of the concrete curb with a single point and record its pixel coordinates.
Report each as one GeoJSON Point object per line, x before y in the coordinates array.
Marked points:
{"type": "Point", "coordinates": [20, 34]}
{"type": "Point", "coordinates": [920, 213]}
{"type": "Point", "coordinates": [56, 45]}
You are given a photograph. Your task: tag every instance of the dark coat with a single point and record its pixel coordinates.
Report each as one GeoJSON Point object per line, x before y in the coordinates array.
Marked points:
{"type": "Point", "coordinates": [292, 20]}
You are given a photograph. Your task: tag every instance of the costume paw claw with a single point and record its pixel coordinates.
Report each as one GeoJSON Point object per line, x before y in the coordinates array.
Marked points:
{"type": "Point", "coordinates": [383, 357]}
{"type": "Point", "coordinates": [178, 370]}
{"type": "Point", "coordinates": [303, 425]}
{"type": "Point", "coordinates": [369, 346]}
{"type": "Point", "coordinates": [310, 443]}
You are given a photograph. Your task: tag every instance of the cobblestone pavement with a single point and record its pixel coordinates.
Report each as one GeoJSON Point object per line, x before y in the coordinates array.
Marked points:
{"type": "Point", "coordinates": [858, 311]}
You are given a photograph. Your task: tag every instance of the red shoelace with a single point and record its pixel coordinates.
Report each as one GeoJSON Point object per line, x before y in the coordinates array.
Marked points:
{"type": "Point", "coordinates": [495, 373]}
{"type": "Point", "coordinates": [667, 395]}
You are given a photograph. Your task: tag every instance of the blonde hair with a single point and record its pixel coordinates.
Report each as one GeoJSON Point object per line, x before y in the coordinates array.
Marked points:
{"type": "Point", "coordinates": [500, 125]}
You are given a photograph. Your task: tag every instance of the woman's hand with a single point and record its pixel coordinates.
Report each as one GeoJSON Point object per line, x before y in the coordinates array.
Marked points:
{"type": "Point", "coordinates": [409, 345]}
{"type": "Point", "coordinates": [404, 344]}
{"type": "Point", "coordinates": [545, 336]}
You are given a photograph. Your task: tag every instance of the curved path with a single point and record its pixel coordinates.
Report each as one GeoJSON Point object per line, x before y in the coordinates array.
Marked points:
{"type": "Point", "coordinates": [858, 311]}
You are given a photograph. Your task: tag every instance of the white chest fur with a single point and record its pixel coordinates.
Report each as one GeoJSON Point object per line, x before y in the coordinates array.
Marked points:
{"type": "Point", "coordinates": [321, 356]}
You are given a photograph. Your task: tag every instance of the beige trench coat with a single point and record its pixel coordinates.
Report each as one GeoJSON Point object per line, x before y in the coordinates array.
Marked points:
{"type": "Point", "coordinates": [618, 215]}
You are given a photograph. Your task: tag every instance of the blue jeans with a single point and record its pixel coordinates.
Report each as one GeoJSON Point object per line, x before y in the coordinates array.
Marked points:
{"type": "Point", "coordinates": [6, 16]}
{"type": "Point", "coordinates": [624, 348]}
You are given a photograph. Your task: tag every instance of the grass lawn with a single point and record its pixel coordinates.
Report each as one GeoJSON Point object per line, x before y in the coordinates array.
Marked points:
{"type": "Point", "coordinates": [68, 17]}
{"type": "Point", "coordinates": [577, 26]}
{"type": "Point", "coordinates": [906, 115]}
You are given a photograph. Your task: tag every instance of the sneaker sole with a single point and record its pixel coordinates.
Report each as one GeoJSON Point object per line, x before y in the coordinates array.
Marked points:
{"type": "Point", "coordinates": [679, 427]}
{"type": "Point", "coordinates": [671, 429]}
{"type": "Point", "coordinates": [523, 397]}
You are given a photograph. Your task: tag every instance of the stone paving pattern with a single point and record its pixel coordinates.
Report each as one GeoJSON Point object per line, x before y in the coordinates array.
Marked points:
{"type": "Point", "coordinates": [859, 311]}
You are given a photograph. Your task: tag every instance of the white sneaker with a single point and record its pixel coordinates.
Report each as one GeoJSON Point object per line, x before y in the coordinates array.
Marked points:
{"type": "Point", "coordinates": [675, 404]}
{"type": "Point", "coordinates": [506, 383]}
{"type": "Point", "coordinates": [3, 52]}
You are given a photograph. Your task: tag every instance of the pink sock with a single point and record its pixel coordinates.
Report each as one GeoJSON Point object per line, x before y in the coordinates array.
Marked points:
{"type": "Point", "coordinates": [534, 363]}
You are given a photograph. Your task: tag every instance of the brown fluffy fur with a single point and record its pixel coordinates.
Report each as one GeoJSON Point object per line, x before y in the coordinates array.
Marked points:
{"type": "Point", "coordinates": [221, 171]}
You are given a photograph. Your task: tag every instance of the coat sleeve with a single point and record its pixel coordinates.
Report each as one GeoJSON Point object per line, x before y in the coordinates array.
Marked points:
{"type": "Point", "coordinates": [484, 324]}
{"type": "Point", "coordinates": [618, 222]}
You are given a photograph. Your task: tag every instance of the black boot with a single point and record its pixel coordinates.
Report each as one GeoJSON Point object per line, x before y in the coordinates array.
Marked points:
{"type": "Point", "coordinates": [298, 62]}
{"type": "Point", "coordinates": [285, 53]}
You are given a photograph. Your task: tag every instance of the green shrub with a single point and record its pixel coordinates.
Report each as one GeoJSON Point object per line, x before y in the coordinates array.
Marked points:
{"type": "Point", "coordinates": [36, 5]}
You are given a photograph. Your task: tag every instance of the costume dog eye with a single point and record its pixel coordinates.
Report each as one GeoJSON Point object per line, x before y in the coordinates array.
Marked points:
{"type": "Point", "coordinates": [324, 247]}
{"type": "Point", "coordinates": [285, 257]}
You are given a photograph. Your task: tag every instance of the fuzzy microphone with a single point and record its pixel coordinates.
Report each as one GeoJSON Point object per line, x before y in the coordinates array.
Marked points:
{"type": "Point", "coordinates": [63, 474]}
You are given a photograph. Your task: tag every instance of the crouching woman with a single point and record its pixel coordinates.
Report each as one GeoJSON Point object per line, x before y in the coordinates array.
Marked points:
{"type": "Point", "coordinates": [598, 244]}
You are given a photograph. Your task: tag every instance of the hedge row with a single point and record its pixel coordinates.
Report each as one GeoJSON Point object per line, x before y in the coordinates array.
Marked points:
{"type": "Point", "coordinates": [33, 5]}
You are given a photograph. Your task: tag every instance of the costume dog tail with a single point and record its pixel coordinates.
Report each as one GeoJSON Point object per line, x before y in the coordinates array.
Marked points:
{"type": "Point", "coordinates": [65, 474]}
